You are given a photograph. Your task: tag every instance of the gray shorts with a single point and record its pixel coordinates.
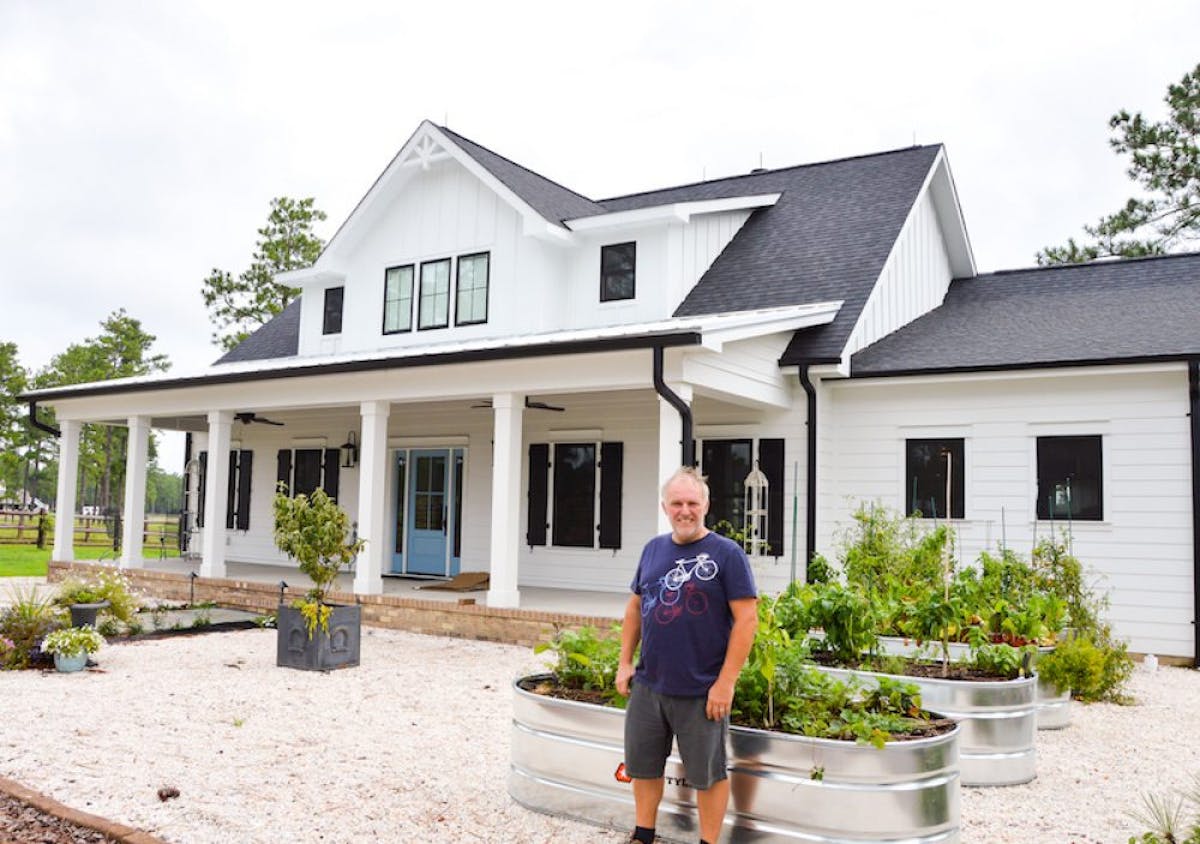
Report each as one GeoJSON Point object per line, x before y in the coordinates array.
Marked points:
{"type": "Point", "coordinates": [653, 720]}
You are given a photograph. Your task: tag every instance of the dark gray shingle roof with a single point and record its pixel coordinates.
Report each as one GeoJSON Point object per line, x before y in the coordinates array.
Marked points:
{"type": "Point", "coordinates": [1076, 313]}
{"type": "Point", "coordinates": [550, 199]}
{"type": "Point", "coordinates": [278, 338]}
{"type": "Point", "coordinates": [827, 238]}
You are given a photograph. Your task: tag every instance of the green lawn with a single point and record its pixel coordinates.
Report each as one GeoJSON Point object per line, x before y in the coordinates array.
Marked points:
{"type": "Point", "coordinates": [30, 561]}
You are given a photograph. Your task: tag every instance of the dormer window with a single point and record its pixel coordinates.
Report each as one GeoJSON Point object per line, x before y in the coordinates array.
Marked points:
{"type": "Point", "coordinates": [332, 321]}
{"type": "Point", "coordinates": [617, 271]}
{"type": "Point", "coordinates": [434, 308]}
{"type": "Point", "coordinates": [397, 299]}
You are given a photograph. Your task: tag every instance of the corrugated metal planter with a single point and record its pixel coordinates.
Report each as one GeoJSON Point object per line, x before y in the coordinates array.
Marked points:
{"type": "Point", "coordinates": [998, 719]}
{"type": "Point", "coordinates": [565, 758]}
{"type": "Point", "coordinates": [1053, 706]}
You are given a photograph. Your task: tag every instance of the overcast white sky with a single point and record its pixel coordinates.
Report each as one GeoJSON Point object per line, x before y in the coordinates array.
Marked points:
{"type": "Point", "coordinates": [141, 143]}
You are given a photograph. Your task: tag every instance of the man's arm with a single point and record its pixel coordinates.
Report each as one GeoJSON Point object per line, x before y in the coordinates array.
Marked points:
{"type": "Point", "coordinates": [745, 625]}
{"type": "Point", "coordinates": [631, 634]}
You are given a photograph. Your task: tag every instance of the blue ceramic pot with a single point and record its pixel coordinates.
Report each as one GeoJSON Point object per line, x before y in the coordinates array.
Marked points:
{"type": "Point", "coordinates": [67, 664]}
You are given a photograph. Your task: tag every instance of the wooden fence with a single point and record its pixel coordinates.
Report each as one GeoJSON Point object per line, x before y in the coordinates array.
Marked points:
{"type": "Point", "coordinates": [23, 527]}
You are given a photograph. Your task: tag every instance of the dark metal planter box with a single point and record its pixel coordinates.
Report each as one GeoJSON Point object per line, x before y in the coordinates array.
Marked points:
{"type": "Point", "coordinates": [784, 788]}
{"type": "Point", "coordinates": [339, 648]}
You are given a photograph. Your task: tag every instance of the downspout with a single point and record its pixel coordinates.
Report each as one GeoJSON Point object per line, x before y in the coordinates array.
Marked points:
{"type": "Point", "coordinates": [39, 424]}
{"type": "Point", "coordinates": [1194, 413]}
{"type": "Point", "coordinates": [810, 481]}
{"type": "Point", "coordinates": [685, 412]}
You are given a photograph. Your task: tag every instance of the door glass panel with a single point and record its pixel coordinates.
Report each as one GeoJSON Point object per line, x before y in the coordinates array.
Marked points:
{"type": "Point", "coordinates": [429, 494]}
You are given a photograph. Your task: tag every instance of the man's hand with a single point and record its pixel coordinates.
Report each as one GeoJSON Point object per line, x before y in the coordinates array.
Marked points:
{"type": "Point", "coordinates": [720, 700]}
{"type": "Point", "coordinates": [624, 675]}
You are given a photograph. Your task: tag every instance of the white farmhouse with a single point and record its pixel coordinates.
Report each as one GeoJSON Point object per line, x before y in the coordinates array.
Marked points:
{"type": "Point", "coordinates": [493, 373]}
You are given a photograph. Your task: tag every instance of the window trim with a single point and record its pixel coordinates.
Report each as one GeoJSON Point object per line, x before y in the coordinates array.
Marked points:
{"type": "Point", "coordinates": [487, 281]}
{"type": "Point", "coordinates": [448, 261]}
{"type": "Point", "coordinates": [412, 299]}
{"type": "Point", "coordinates": [326, 330]}
{"type": "Point", "coordinates": [604, 298]}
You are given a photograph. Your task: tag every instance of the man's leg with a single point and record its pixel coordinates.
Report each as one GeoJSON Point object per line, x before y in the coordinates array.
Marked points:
{"type": "Point", "coordinates": [712, 803]}
{"type": "Point", "coordinates": [647, 794]}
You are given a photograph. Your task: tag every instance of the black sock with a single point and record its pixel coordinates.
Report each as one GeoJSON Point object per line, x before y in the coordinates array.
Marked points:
{"type": "Point", "coordinates": [643, 834]}
{"type": "Point", "coordinates": [702, 841]}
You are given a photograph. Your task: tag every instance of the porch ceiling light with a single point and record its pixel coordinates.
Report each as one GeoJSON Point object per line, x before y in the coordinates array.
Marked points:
{"type": "Point", "coordinates": [349, 451]}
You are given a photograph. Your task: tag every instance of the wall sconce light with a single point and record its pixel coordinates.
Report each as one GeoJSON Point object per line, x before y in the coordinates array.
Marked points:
{"type": "Point", "coordinates": [349, 452]}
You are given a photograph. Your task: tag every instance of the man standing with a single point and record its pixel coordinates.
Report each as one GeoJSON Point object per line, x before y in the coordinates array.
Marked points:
{"type": "Point", "coordinates": [694, 610]}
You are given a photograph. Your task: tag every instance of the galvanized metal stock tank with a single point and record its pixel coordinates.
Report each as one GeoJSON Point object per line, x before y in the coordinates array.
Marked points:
{"type": "Point", "coordinates": [1053, 706]}
{"type": "Point", "coordinates": [998, 721]}
{"type": "Point", "coordinates": [784, 788]}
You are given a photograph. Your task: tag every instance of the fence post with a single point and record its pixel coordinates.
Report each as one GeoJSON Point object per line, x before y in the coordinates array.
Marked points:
{"type": "Point", "coordinates": [41, 532]}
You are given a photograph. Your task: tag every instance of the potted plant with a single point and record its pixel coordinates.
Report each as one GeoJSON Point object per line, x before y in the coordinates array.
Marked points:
{"type": "Point", "coordinates": [106, 591]}
{"type": "Point", "coordinates": [71, 647]}
{"type": "Point", "coordinates": [82, 600]}
{"type": "Point", "coordinates": [312, 634]}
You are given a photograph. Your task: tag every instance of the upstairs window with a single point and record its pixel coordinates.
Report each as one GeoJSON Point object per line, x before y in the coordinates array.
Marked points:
{"type": "Point", "coordinates": [397, 299]}
{"type": "Point", "coordinates": [935, 478]}
{"type": "Point", "coordinates": [471, 297]}
{"type": "Point", "coordinates": [332, 322]}
{"type": "Point", "coordinates": [617, 271]}
{"type": "Point", "coordinates": [1069, 476]}
{"type": "Point", "coordinates": [434, 308]}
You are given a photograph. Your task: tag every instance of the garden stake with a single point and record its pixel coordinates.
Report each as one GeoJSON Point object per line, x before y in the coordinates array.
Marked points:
{"type": "Point", "coordinates": [192, 589]}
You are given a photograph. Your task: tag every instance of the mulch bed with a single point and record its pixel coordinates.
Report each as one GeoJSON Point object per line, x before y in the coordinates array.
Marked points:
{"type": "Point", "coordinates": [23, 824]}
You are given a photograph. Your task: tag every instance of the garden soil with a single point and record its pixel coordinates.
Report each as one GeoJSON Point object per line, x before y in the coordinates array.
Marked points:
{"type": "Point", "coordinates": [414, 745]}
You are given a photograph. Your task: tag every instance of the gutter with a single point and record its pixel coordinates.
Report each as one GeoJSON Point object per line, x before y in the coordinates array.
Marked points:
{"type": "Point", "coordinates": [672, 398]}
{"type": "Point", "coordinates": [810, 481]}
{"type": "Point", "coordinates": [38, 423]}
{"type": "Point", "coordinates": [1194, 412]}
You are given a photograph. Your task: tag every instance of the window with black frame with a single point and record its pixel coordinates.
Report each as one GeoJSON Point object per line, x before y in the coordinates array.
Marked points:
{"type": "Point", "coordinates": [574, 502]}
{"type": "Point", "coordinates": [331, 322]}
{"type": "Point", "coordinates": [1069, 478]}
{"type": "Point", "coordinates": [618, 271]}
{"type": "Point", "coordinates": [935, 478]}
{"type": "Point", "coordinates": [725, 464]}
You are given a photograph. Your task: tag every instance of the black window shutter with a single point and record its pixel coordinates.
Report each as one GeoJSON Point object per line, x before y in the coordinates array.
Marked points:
{"type": "Point", "coordinates": [203, 485]}
{"type": "Point", "coordinates": [283, 474]}
{"type": "Point", "coordinates": [333, 458]}
{"type": "Point", "coordinates": [245, 470]}
{"type": "Point", "coordinates": [539, 490]}
{"type": "Point", "coordinates": [611, 472]}
{"type": "Point", "coordinates": [770, 462]}
{"type": "Point", "coordinates": [232, 487]}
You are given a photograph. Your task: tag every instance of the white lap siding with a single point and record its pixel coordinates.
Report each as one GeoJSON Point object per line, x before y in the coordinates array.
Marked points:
{"type": "Point", "coordinates": [1141, 553]}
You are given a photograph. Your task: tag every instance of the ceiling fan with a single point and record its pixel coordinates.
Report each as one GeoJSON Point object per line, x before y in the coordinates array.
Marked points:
{"type": "Point", "coordinates": [247, 417]}
{"type": "Point", "coordinates": [529, 403]}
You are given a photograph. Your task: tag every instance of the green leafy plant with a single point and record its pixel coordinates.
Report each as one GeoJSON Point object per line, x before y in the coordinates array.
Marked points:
{"type": "Point", "coordinates": [202, 619]}
{"type": "Point", "coordinates": [1091, 672]}
{"type": "Point", "coordinates": [587, 660]}
{"type": "Point", "coordinates": [819, 570]}
{"type": "Point", "coordinates": [30, 615]}
{"type": "Point", "coordinates": [105, 585]}
{"type": "Point", "coordinates": [1002, 659]}
{"type": "Point", "coordinates": [313, 529]}
{"type": "Point", "coordinates": [73, 641]}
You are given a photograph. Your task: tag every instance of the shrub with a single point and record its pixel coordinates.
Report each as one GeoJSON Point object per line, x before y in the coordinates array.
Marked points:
{"type": "Point", "coordinates": [25, 623]}
{"type": "Point", "coordinates": [1092, 672]}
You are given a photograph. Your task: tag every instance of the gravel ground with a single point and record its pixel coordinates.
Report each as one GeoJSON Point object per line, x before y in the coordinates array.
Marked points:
{"type": "Point", "coordinates": [413, 745]}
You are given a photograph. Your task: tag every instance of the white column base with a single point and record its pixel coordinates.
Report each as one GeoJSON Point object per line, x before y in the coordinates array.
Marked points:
{"type": "Point", "coordinates": [504, 598]}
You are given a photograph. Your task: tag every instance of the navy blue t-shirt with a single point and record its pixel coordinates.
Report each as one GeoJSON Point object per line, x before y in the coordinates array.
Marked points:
{"type": "Point", "coordinates": [686, 620]}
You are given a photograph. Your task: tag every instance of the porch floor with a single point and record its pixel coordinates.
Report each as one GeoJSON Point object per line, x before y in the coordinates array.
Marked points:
{"type": "Point", "coordinates": [543, 599]}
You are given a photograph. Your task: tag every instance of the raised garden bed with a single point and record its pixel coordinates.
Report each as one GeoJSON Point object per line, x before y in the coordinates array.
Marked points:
{"type": "Point", "coordinates": [566, 758]}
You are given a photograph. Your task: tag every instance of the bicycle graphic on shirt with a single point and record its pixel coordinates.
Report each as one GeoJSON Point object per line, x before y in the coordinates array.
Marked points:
{"type": "Point", "coordinates": [677, 592]}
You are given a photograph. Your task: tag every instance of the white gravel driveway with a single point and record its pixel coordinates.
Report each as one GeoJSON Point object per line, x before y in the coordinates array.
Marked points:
{"type": "Point", "coordinates": [413, 746]}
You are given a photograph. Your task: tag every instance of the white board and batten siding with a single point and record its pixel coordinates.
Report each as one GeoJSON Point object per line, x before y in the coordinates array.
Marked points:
{"type": "Point", "coordinates": [914, 280]}
{"type": "Point", "coordinates": [1141, 553]}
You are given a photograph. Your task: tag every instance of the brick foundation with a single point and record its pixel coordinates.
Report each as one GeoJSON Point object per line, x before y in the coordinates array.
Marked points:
{"type": "Point", "coordinates": [439, 618]}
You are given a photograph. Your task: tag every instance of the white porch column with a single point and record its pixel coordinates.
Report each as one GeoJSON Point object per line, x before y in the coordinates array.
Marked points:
{"type": "Point", "coordinates": [670, 444]}
{"type": "Point", "coordinates": [372, 494]}
{"type": "Point", "coordinates": [64, 506]}
{"type": "Point", "coordinates": [508, 409]}
{"type": "Point", "coordinates": [216, 493]}
{"type": "Point", "coordinates": [137, 453]}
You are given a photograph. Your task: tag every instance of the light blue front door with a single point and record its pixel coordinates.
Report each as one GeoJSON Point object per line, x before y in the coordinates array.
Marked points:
{"type": "Point", "coordinates": [428, 507]}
